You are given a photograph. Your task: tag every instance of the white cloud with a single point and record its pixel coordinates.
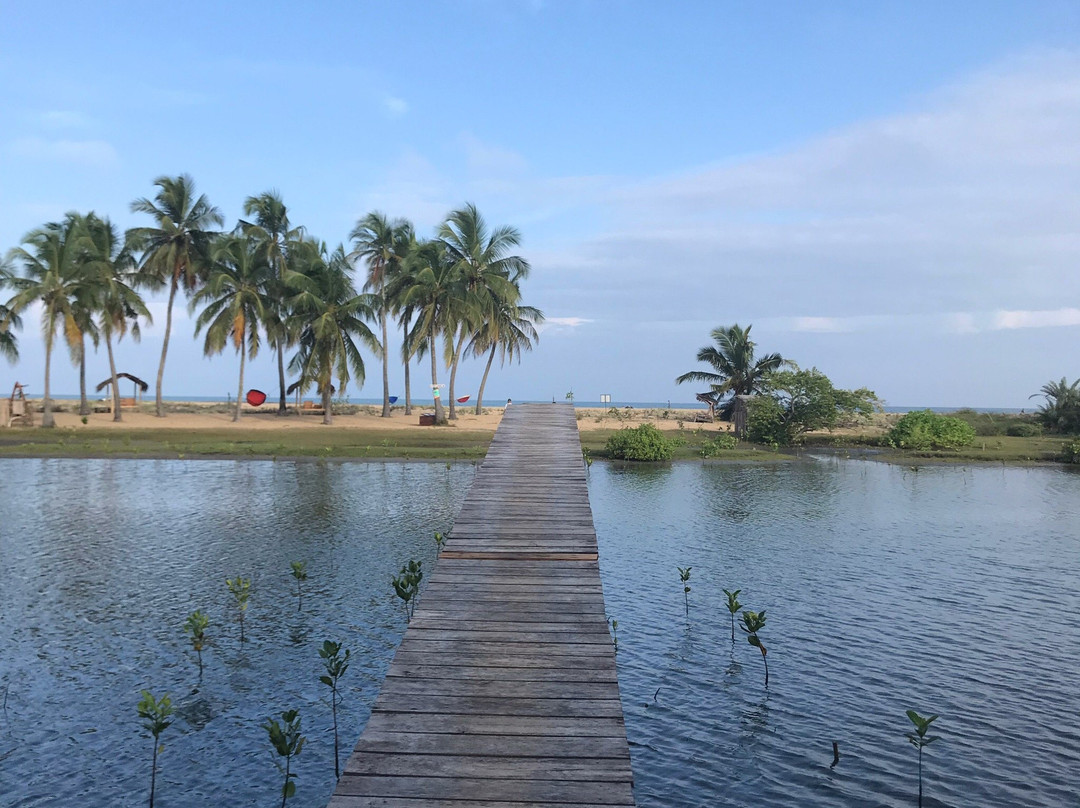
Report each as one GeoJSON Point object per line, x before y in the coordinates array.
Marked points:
{"type": "Point", "coordinates": [95, 153]}
{"type": "Point", "coordinates": [395, 107]}
{"type": "Point", "coordinates": [570, 322]}
{"type": "Point", "coordinates": [1055, 318]}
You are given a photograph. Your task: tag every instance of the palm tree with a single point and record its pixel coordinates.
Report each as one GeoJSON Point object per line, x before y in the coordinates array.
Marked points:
{"type": "Point", "coordinates": [330, 315]}
{"type": "Point", "coordinates": [383, 244]}
{"type": "Point", "coordinates": [737, 373]}
{"type": "Point", "coordinates": [404, 278]}
{"type": "Point", "coordinates": [234, 296]}
{"type": "Point", "coordinates": [274, 237]}
{"type": "Point", "coordinates": [84, 306]}
{"type": "Point", "coordinates": [9, 346]}
{"type": "Point", "coordinates": [52, 274]}
{"type": "Point", "coordinates": [1061, 410]}
{"type": "Point", "coordinates": [119, 307]}
{"type": "Point", "coordinates": [488, 271]}
{"type": "Point", "coordinates": [437, 289]}
{"type": "Point", "coordinates": [511, 328]}
{"type": "Point", "coordinates": [176, 250]}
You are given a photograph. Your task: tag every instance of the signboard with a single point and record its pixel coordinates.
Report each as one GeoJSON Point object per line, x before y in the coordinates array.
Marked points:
{"type": "Point", "coordinates": [605, 398]}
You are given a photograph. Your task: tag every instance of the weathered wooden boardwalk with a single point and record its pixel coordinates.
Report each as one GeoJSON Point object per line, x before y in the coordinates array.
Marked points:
{"type": "Point", "coordinates": [503, 692]}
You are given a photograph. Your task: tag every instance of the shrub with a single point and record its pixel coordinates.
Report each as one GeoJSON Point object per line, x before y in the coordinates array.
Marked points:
{"type": "Point", "coordinates": [645, 442]}
{"type": "Point", "coordinates": [713, 446]}
{"type": "Point", "coordinates": [923, 429]}
{"type": "Point", "coordinates": [794, 402]}
{"type": "Point", "coordinates": [1071, 451]}
{"type": "Point", "coordinates": [1024, 430]}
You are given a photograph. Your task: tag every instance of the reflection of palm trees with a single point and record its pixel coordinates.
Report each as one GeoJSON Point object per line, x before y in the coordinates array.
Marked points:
{"type": "Point", "coordinates": [736, 371]}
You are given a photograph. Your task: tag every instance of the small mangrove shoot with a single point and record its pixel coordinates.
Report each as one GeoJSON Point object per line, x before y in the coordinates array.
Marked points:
{"type": "Point", "coordinates": [440, 541]}
{"type": "Point", "coordinates": [407, 586]}
{"type": "Point", "coordinates": [733, 607]}
{"type": "Point", "coordinates": [336, 664]}
{"type": "Point", "coordinates": [240, 589]}
{"type": "Point", "coordinates": [614, 633]}
{"type": "Point", "coordinates": [195, 626]}
{"type": "Point", "coordinates": [156, 713]}
{"type": "Point", "coordinates": [684, 576]}
{"type": "Point", "coordinates": [919, 739]}
{"type": "Point", "coordinates": [752, 623]}
{"type": "Point", "coordinates": [287, 742]}
{"type": "Point", "coordinates": [299, 572]}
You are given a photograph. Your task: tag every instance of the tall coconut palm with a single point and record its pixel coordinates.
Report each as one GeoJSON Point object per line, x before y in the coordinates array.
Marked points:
{"type": "Point", "coordinates": [330, 317]}
{"type": "Point", "coordinates": [274, 237]}
{"type": "Point", "coordinates": [510, 329]}
{"type": "Point", "coordinates": [234, 298]}
{"type": "Point", "coordinates": [382, 244]}
{"type": "Point", "coordinates": [176, 250]}
{"type": "Point", "coordinates": [9, 321]}
{"type": "Point", "coordinates": [737, 372]}
{"type": "Point", "coordinates": [84, 306]}
{"type": "Point", "coordinates": [436, 291]}
{"type": "Point", "coordinates": [488, 270]}
{"type": "Point", "coordinates": [1060, 411]}
{"type": "Point", "coordinates": [403, 278]}
{"type": "Point", "coordinates": [52, 273]}
{"type": "Point", "coordinates": [119, 307]}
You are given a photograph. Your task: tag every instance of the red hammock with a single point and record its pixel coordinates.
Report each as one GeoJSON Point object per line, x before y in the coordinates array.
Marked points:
{"type": "Point", "coordinates": [256, 397]}
{"type": "Point", "coordinates": [462, 400]}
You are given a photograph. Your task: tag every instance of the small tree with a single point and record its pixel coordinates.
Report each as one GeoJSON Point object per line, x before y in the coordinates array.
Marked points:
{"type": "Point", "coordinates": [794, 402]}
{"type": "Point", "coordinates": [407, 586]}
{"type": "Point", "coordinates": [919, 739]}
{"type": "Point", "coordinates": [299, 572]}
{"type": "Point", "coordinates": [733, 607]}
{"type": "Point", "coordinates": [684, 576]}
{"type": "Point", "coordinates": [336, 664]}
{"type": "Point", "coordinates": [196, 625]}
{"type": "Point", "coordinates": [156, 713]}
{"type": "Point", "coordinates": [752, 623]}
{"type": "Point", "coordinates": [287, 742]}
{"type": "Point", "coordinates": [240, 588]}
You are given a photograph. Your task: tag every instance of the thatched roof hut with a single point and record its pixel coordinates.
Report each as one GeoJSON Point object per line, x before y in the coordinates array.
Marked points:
{"type": "Point", "coordinates": [143, 386]}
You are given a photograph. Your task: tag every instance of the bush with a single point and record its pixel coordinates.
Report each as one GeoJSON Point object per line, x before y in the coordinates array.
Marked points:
{"type": "Point", "coordinates": [794, 402]}
{"type": "Point", "coordinates": [713, 446]}
{"type": "Point", "coordinates": [645, 442]}
{"type": "Point", "coordinates": [1071, 451]}
{"type": "Point", "coordinates": [1024, 430]}
{"type": "Point", "coordinates": [923, 429]}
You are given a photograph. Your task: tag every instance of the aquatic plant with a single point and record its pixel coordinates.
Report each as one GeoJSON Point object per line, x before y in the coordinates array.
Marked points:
{"type": "Point", "coordinates": [196, 625]}
{"type": "Point", "coordinates": [684, 576]}
{"type": "Point", "coordinates": [407, 586]}
{"type": "Point", "coordinates": [919, 739]}
{"type": "Point", "coordinates": [240, 589]}
{"type": "Point", "coordinates": [733, 607]}
{"type": "Point", "coordinates": [614, 633]}
{"type": "Point", "coordinates": [336, 664]}
{"type": "Point", "coordinates": [299, 572]}
{"type": "Point", "coordinates": [287, 742]}
{"type": "Point", "coordinates": [752, 623]}
{"type": "Point", "coordinates": [156, 712]}
{"type": "Point", "coordinates": [440, 540]}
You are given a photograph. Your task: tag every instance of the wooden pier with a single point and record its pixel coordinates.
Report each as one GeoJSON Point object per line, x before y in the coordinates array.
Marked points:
{"type": "Point", "coordinates": [503, 691]}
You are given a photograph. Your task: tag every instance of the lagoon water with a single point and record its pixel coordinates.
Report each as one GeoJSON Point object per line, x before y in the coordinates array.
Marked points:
{"type": "Point", "coordinates": [953, 590]}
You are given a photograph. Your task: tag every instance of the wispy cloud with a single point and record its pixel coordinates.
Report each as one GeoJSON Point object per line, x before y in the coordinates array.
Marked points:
{"type": "Point", "coordinates": [95, 153]}
{"type": "Point", "coordinates": [395, 107]}
{"type": "Point", "coordinates": [62, 119]}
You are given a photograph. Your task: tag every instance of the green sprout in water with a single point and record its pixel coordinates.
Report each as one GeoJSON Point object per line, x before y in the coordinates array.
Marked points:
{"type": "Point", "coordinates": [614, 633]}
{"type": "Point", "coordinates": [733, 607]}
{"type": "Point", "coordinates": [336, 664]}
{"type": "Point", "coordinates": [299, 572]}
{"type": "Point", "coordinates": [196, 625]}
{"type": "Point", "coordinates": [752, 623]}
{"type": "Point", "coordinates": [407, 586]}
{"type": "Point", "coordinates": [157, 715]}
{"type": "Point", "coordinates": [287, 742]}
{"type": "Point", "coordinates": [240, 588]}
{"type": "Point", "coordinates": [919, 739]}
{"type": "Point", "coordinates": [684, 576]}
{"type": "Point", "coordinates": [440, 541]}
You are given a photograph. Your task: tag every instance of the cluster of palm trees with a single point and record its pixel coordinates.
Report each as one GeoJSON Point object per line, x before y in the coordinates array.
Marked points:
{"type": "Point", "coordinates": [458, 294]}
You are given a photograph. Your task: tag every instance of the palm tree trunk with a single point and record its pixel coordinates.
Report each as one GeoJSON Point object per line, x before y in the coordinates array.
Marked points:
{"type": "Point", "coordinates": [453, 373]}
{"type": "Point", "coordinates": [84, 406]}
{"type": "Point", "coordinates": [483, 381]}
{"type": "Point", "coordinates": [408, 361]}
{"type": "Point", "coordinates": [115, 381]}
{"type": "Point", "coordinates": [240, 386]}
{"type": "Point", "coordinates": [165, 348]}
{"type": "Point", "coordinates": [385, 362]}
{"type": "Point", "coordinates": [46, 414]}
{"type": "Point", "coordinates": [328, 416]}
{"type": "Point", "coordinates": [439, 417]}
{"type": "Point", "coordinates": [281, 408]}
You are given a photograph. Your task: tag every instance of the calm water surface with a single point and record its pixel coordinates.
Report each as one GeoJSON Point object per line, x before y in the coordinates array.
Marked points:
{"type": "Point", "coordinates": [950, 590]}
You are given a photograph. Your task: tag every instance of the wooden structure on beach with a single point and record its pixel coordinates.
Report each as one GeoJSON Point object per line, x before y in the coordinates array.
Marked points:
{"type": "Point", "coordinates": [503, 691]}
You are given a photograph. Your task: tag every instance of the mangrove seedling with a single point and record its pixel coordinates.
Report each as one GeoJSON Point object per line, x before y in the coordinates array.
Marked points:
{"type": "Point", "coordinates": [440, 540]}
{"type": "Point", "coordinates": [287, 742]}
{"type": "Point", "coordinates": [407, 586]}
{"type": "Point", "coordinates": [336, 664]}
{"type": "Point", "coordinates": [919, 739]}
{"type": "Point", "coordinates": [299, 572]}
{"type": "Point", "coordinates": [752, 623]}
{"type": "Point", "coordinates": [733, 607]}
{"type": "Point", "coordinates": [195, 625]}
{"type": "Point", "coordinates": [684, 576]}
{"type": "Point", "coordinates": [156, 713]}
{"type": "Point", "coordinates": [614, 633]}
{"type": "Point", "coordinates": [240, 588]}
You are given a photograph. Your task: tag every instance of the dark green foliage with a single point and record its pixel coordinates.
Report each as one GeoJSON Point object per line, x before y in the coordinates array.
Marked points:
{"type": "Point", "coordinates": [407, 586]}
{"type": "Point", "coordinates": [733, 607]}
{"type": "Point", "coordinates": [996, 424]}
{"type": "Point", "coordinates": [643, 443]}
{"type": "Point", "coordinates": [752, 623]}
{"type": "Point", "coordinates": [1061, 410]}
{"type": "Point", "coordinates": [919, 739]}
{"type": "Point", "coordinates": [1024, 430]}
{"type": "Point", "coordinates": [794, 402]}
{"type": "Point", "coordinates": [736, 369]}
{"type": "Point", "coordinates": [717, 444]}
{"type": "Point", "coordinates": [1071, 451]}
{"type": "Point", "coordinates": [922, 430]}
{"type": "Point", "coordinates": [196, 625]}
{"type": "Point", "coordinates": [288, 743]}
{"type": "Point", "coordinates": [156, 713]}
{"type": "Point", "coordinates": [336, 664]}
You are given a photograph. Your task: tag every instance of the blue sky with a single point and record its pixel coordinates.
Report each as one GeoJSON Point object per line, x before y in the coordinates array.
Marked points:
{"type": "Point", "coordinates": [887, 191]}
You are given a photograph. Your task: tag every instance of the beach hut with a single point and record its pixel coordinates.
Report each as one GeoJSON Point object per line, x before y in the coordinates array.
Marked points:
{"type": "Point", "coordinates": [140, 387]}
